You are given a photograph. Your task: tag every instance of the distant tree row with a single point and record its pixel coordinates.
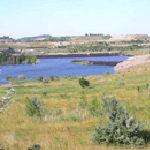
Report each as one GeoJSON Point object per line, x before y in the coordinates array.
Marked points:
{"type": "Point", "coordinates": [102, 47]}
{"type": "Point", "coordinates": [6, 58]}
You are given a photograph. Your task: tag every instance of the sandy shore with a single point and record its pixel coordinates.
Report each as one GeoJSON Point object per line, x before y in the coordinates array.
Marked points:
{"type": "Point", "coordinates": [132, 62]}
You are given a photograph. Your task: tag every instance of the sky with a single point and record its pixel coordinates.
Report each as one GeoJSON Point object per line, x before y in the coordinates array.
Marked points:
{"type": "Point", "coordinates": [20, 18]}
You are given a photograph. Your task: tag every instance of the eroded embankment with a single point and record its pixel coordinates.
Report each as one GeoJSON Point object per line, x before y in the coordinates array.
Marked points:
{"type": "Point", "coordinates": [132, 62]}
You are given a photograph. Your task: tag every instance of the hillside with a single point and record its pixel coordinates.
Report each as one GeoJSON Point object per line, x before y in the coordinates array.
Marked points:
{"type": "Point", "coordinates": [46, 44]}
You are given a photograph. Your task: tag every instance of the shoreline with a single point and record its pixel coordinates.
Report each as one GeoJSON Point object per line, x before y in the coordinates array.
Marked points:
{"type": "Point", "coordinates": [132, 61]}
{"type": "Point", "coordinates": [103, 63]}
{"type": "Point", "coordinates": [66, 55]}
{"type": "Point", "coordinates": [59, 55]}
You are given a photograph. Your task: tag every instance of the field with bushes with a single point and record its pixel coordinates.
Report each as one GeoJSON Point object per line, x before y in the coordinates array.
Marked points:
{"type": "Point", "coordinates": [61, 113]}
{"type": "Point", "coordinates": [133, 47]}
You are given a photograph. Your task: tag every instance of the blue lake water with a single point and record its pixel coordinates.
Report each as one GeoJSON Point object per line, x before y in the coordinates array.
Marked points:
{"type": "Point", "coordinates": [59, 67]}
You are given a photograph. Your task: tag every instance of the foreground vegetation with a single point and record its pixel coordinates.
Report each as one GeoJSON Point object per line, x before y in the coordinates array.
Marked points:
{"type": "Point", "coordinates": [62, 113]}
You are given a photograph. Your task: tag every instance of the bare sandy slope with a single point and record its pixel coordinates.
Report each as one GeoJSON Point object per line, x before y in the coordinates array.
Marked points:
{"type": "Point", "coordinates": [133, 62]}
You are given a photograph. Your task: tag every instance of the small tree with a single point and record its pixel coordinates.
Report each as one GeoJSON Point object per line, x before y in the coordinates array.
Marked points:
{"type": "Point", "coordinates": [34, 107]}
{"type": "Point", "coordinates": [121, 128]}
{"type": "Point", "coordinates": [83, 82]}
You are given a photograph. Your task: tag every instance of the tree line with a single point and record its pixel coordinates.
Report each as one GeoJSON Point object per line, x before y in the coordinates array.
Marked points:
{"type": "Point", "coordinates": [6, 58]}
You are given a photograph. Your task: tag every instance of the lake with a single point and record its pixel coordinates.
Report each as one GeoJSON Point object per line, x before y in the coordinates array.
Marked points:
{"type": "Point", "coordinates": [59, 67]}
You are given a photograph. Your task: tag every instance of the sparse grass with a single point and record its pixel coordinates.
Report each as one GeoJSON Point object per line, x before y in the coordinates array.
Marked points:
{"type": "Point", "coordinates": [66, 125]}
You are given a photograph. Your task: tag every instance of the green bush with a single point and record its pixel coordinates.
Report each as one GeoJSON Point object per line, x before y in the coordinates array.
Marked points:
{"type": "Point", "coordinates": [121, 128]}
{"type": "Point", "coordinates": [45, 93]}
{"type": "Point", "coordinates": [34, 107]}
{"type": "Point", "coordinates": [83, 82]}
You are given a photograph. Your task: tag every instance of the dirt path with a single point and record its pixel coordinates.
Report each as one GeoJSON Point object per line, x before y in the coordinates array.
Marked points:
{"type": "Point", "coordinates": [132, 62]}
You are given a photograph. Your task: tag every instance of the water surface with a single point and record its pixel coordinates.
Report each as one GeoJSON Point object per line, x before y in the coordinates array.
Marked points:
{"type": "Point", "coordinates": [59, 67]}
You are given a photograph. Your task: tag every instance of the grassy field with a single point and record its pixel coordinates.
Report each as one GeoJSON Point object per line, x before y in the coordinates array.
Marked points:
{"type": "Point", "coordinates": [66, 126]}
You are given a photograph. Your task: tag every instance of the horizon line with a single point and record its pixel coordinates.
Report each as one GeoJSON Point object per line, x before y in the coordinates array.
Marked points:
{"type": "Point", "coordinates": [71, 35]}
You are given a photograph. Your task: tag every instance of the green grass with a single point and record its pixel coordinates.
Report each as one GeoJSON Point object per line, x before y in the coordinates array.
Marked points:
{"type": "Point", "coordinates": [66, 126]}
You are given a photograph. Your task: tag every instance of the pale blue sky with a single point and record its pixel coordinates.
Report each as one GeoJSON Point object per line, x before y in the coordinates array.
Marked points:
{"type": "Point", "coordinates": [19, 18]}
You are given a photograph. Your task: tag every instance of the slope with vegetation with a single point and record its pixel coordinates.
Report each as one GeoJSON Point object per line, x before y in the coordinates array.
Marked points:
{"type": "Point", "coordinates": [59, 45]}
{"type": "Point", "coordinates": [62, 113]}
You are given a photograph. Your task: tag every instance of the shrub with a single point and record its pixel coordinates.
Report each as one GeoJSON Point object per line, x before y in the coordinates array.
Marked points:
{"type": "Point", "coordinates": [7, 99]}
{"type": "Point", "coordinates": [34, 147]}
{"type": "Point", "coordinates": [40, 79]}
{"type": "Point", "coordinates": [11, 91]}
{"type": "Point", "coordinates": [45, 93]}
{"type": "Point", "coordinates": [45, 80]}
{"type": "Point", "coordinates": [138, 88]}
{"type": "Point", "coordinates": [8, 78]}
{"type": "Point", "coordinates": [83, 82]}
{"type": "Point", "coordinates": [121, 128]}
{"type": "Point", "coordinates": [34, 107]}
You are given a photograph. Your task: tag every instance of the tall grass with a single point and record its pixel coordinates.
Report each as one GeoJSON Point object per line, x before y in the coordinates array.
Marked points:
{"type": "Point", "coordinates": [66, 125]}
